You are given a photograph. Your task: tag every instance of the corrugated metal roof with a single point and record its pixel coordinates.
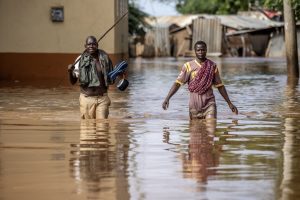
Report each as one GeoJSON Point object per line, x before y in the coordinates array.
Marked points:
{"type": "Point", "coordinates": [179, 20]}
{"type": "Point", "coordinates": [238, 22]}
{"type": "Point", "coordinates": [253, 14]}
{"type": "Point", "coordinates": [244, 22]}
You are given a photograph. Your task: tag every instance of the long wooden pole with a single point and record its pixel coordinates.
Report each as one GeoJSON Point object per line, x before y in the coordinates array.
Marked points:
{"type": "Point", "coordinates": [290, 41]}
{"type": "Point", "coordinates": [104, 34]}
{"type": "Point", "coordinates": [113, 26]}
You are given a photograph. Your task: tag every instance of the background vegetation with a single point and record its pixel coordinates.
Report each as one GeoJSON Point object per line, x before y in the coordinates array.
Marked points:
{"type": "Point", "coordinates": [136, 22]}
{"type": "Point", "coordinates": [230, 6]}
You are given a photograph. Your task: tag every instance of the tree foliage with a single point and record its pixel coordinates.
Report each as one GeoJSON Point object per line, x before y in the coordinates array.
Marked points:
{"type": "Point", "coordinates": [136, 22]}
{"type": "Point", "coordinates": [278, 6]}
{"type": "Point", "coordinates": [210, 6]}
{"type": "Point", "coordinates": [229, 6]}
{"type": "Point", "coordinates": [197, 6]}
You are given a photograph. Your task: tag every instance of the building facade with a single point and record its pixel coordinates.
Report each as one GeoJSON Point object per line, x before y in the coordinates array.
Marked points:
{"type": "Point", "coordinates": [40, 38]}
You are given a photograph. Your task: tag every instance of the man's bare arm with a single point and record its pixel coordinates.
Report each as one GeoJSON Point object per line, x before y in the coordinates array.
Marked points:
{"type": "Point", "coordinates": [224, 94]}
{"type": "Point", "coordinates": [172, 91]}
{"type": "Point", "coordinates": [72, 76]}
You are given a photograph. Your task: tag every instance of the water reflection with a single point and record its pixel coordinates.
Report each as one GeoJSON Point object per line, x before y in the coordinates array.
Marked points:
{"type": "Point", "coordinates": [200, 147]}
{"type": "Point", "coordinates": [291, 145]}
{"type": "Point", "coordinates": [98, 163]}
{"type": "Point", "coordinates": [203, 153]}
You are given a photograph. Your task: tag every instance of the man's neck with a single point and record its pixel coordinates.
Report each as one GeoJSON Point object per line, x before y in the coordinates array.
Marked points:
{"type": "Point", "coordinates": [94, 55]}
{"type": "Point", "coordinates": [202, 60]}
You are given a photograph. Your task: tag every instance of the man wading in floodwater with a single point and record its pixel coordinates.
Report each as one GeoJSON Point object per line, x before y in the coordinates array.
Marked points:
{"type": "Point", "coordinates": [200, 74]}
{"type": "Point", "coordinates": [92, 70]}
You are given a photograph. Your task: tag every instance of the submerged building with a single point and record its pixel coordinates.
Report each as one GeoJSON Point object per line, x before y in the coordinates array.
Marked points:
{"type": "Point", "coordinates": [40, 38]}
{"type": "Point", "coordinates": [242, 35]}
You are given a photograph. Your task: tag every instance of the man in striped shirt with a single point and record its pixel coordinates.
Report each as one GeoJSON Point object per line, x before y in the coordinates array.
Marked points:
{"type": "Point", "coordinates": [200, 74]}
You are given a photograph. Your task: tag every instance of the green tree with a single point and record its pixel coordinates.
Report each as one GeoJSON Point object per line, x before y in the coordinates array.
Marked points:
{"type": "Point", "coordinates": [229, 6]}
{"type": "Point", "coordinates": [232, 6]}
{"type": "Point", "coordinates": [197, 6]}
{"type": "Point", "coordinates": [211, 6]}
{"type": "Point", "coordinates": [136, 19]}
{"type": "Point", "coordinates": [278, 6]}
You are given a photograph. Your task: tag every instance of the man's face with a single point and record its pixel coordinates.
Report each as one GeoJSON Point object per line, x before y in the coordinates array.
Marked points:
{"type": "Point", "coordinates": [91, 46]}
{"type": "Point", "coordinates": [200, 51]}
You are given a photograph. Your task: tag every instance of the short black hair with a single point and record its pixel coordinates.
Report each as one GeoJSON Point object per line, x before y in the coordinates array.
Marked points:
{"type": "Point", "coordinates": [91, 37]}
{"type": "Point", "coordinates": [200, 42]}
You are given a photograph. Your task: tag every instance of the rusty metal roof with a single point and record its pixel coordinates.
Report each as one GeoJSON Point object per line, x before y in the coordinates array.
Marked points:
{"type": "Point", "coordinates": [179, 20]}
{"type": "Point", "coordinates": [239, 22]}
{"type": "Point", "coordinates": [245, 22]}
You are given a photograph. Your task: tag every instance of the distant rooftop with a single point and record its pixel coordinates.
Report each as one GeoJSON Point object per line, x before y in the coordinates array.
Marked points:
{"type": "Point", "coordinates": [246, 22]}
{"type": "Point", "coordinates": [179, 20]}
{"type": "Point", "coordinates": [243, 21]}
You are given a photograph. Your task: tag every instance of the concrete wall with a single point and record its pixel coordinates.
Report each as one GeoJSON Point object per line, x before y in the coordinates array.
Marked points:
{"type": "Point", "coordinates": [32, 45]}
{"type": "Point", "coordinates": [276, 47]}
{"type": "Point", "coordinates": [181, 43]}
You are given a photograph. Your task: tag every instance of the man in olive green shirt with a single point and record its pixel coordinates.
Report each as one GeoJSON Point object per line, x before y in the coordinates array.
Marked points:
{"type": "Point", "coordinates": [91, 72]}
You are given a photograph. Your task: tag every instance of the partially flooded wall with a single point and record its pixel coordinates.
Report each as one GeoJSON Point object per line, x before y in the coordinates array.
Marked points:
{"type": "Point", "coordinates": [39, 38]}
{"type": "Point", "coordinates": [276, 47]}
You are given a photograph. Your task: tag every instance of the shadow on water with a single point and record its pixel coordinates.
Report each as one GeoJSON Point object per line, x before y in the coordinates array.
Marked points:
{"type": "Point", "coordinates": [143, 152]}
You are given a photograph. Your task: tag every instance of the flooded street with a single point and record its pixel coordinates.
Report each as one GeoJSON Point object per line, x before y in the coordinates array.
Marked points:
{"type": "Point", "coordinates": [143, 152]}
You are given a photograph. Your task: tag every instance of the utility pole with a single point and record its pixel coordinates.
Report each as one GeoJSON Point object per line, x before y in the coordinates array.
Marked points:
{"type": "Point", "coordinates": [290, 41]}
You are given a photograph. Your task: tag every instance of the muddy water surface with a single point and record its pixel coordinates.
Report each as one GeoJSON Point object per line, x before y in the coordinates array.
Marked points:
{"type": "Point", "coordinates": [142, 152]}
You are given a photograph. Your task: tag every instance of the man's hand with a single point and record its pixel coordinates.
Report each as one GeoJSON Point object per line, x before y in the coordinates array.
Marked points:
{"type": "Point", "coordinates": [233, 108]}
{"type": "Point", "coordinates": [71, 68]}
{"type": "Point", "coordinates": [123, 74]}
{"type": "Point", "coordinates": [165, 104]}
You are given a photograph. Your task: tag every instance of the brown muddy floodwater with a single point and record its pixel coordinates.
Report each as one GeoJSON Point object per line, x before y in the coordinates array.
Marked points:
{"type": "Point", "coordinates": [143, 152]}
